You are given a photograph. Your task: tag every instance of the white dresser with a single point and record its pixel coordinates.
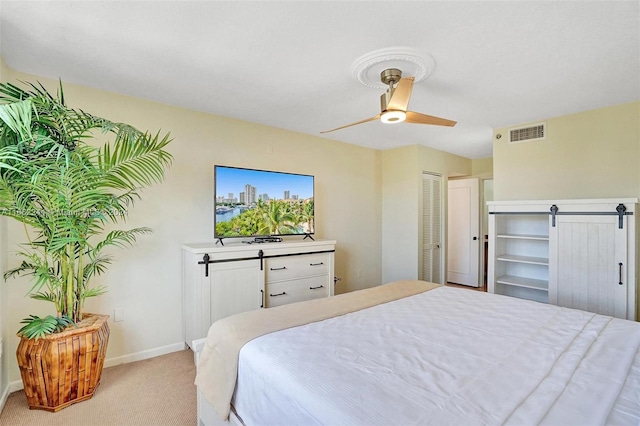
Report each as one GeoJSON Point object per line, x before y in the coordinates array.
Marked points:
{"type": "Point", "coordinates": [219, 281]}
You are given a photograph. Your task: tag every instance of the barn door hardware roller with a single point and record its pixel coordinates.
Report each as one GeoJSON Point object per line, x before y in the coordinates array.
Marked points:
{"type": "Point", "coordinates": [621, 212]}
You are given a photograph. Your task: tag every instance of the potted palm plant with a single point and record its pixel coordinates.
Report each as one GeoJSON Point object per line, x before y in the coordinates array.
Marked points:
{"type": "Point", "coordinates": [65, 182]}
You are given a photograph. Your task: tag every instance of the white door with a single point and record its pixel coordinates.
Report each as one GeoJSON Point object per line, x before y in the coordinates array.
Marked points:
{"type": "Point", "coordinates": [431, 251]}
{"type": "Point", "coordinates": [463, 228]}
{"type": "Point", "coordinates": [588, 264]}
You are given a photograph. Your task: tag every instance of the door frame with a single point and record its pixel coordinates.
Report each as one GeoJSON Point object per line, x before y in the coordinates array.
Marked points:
{"type": "Point", "coordinates": [484, 232]}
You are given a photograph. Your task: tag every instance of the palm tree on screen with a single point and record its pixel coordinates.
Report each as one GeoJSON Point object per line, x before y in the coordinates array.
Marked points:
{"type": "Point", "coordinates": [277, 218]}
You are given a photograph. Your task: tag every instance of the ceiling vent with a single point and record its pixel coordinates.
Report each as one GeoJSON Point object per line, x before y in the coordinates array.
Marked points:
{"type": "Point", "coordinates": [530, 133]}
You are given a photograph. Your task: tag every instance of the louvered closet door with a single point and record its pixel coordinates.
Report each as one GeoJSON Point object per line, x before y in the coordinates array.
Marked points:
{"type": "Point", "coordinates": [431, 256]}
{"type": "Point", "coordinates": [588, 261]}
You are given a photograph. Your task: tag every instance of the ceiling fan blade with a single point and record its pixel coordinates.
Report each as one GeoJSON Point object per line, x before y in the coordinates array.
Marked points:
{"type": "Point", "coordinates": [417, 118]}
{"type": "Point", "coordinates": [353, 124]}
{"type": "Point", "coordinates": [400, 99]}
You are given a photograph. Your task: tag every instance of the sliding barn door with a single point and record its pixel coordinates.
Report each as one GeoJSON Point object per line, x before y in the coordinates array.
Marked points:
{"type": "Point", "coordinates": [588, 264]}
{"type": "Point", "coordinates": [431, 251]}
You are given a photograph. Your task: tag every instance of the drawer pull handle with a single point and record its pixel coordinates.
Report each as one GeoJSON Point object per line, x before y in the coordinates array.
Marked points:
{"type": "Point", "coordinates": [278, 269]}
{"type": "Point", "coordinates": [279, 294]}
{"type": "Point", "coordinates": [620, 267]}
{"type": "Point", "coordinates": [315, 288]}
{"type": "Point", "coordinates": [316, 264]}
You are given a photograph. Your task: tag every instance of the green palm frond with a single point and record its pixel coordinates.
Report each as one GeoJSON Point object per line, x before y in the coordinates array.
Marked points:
{"type": "Point", "coordinates": [12, 93]}
{"type": "Point", "coordinates": [17, 117]}
{"type": "Point", "coordinates": [36, 327]}
{"type": "Point", "coordinates": [122, 239]}
{"type": "Point", "coordinates": [135, 160]}
{"type": "Point", "coordinates": [44, 296]}
{"type": "Point", "coordinates": [96, 266]}
{"type": "Point", "coordinates": [94, 292]}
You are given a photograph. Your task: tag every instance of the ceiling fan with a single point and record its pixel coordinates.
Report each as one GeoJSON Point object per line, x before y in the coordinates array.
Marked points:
{"type": "Point", "coordinates": [394, 102]}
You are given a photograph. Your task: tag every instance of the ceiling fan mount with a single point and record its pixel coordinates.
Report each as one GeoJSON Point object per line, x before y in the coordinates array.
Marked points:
{"type": "Point", "coordinates": [390, 76]}
{"type": "Point", "coordinates": [394, 102]}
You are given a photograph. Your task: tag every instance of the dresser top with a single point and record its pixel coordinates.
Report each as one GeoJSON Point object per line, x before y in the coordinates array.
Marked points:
{"type": "Point", "coordinates": [236, 245]}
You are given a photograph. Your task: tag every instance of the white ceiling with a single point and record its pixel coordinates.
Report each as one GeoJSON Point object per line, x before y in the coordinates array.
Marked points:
{"type": "Point", "coordinates": [288, 64]}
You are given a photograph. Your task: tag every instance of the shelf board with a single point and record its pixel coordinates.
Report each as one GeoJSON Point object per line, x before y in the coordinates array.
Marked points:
{"type": "Point", "coordinates": [523, 259]}
{"type": "Point", "coordinates": [532, 283]}
{"type": "Point", "coordinates": [524, 237]}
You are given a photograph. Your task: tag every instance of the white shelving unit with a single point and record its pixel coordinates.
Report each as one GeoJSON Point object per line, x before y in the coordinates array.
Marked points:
{"type": "Point", "coordinates": [574, 253]}
{"type": "Point", "coordinates": [520, 243]}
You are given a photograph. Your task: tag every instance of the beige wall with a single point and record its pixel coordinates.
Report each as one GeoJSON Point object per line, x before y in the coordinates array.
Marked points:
{"type": "Point", "coordinates": [4, 363]}
{"type": "Point", "coordinates": [592, 154]}
{"type": "Point", "coordinates": [400, 186]}
{"type": "Point", "coordinates": [402, 170]}
{"type": "Point", "coordinates": [146, 280]}
{"type": "Point", "coordinates": [482, 167]}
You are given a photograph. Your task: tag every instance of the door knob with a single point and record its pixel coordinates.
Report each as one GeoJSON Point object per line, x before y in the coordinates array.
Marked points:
{"type": "Point", "coordinates": [475, 238]}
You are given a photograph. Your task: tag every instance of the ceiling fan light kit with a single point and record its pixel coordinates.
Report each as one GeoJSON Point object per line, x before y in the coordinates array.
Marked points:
{"type": "Point", "coordinates": [394, 102]}
{"type": "Point", "coordinates": [393, 117]}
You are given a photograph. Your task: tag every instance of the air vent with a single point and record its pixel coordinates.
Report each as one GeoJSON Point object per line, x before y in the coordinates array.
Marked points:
{"type": "Point", "coordinates": [535, 132]}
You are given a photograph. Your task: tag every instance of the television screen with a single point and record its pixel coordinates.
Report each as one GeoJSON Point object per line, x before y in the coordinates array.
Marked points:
{"type": "Point", "coordinates": [254, 203]}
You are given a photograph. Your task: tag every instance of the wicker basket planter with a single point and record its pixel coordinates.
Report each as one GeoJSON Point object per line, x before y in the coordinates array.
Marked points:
{"type": "Point", "coordinates": [64, 368]}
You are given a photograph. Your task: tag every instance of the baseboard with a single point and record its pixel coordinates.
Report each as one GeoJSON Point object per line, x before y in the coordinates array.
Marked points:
{"type": "Point", "coordinates": [150, 353]}
{"type": "Point", "coordinates": [12, 387]}
{"type": "Point", "coordinates": [5, 395]}
{"type": "Point", "coordinates": [109, 362]}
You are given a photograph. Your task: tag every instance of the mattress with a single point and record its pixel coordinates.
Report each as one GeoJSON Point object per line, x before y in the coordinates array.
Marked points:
{"type": "Point", "coordinates": [218, 359]}
{"type": "Point", "coordinates": [445, 356]}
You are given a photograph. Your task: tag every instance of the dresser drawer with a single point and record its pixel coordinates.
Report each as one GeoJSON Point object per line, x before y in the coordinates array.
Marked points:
{"type": "Point", "coordinates": [309, 288]}
{"type": "Point", "coordinates": [291, 267]}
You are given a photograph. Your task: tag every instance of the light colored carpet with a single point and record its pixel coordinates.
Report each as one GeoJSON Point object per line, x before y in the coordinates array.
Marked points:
{"type": "Point", "coordinates": [157, 391]}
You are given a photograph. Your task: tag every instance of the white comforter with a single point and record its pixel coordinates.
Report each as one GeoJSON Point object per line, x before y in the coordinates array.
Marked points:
{"type": "Point", "coordinates": [447, 356]}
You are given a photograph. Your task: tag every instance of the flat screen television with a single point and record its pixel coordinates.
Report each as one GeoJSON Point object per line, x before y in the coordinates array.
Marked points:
{"type": "Point", "coordinates": [262, 203]}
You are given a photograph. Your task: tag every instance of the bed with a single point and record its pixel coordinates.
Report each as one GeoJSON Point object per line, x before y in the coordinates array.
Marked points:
{"type": "Point", "coordinates": [416, 353]}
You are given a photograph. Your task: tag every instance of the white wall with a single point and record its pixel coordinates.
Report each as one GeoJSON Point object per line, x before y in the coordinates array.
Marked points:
{"type": "Point", "coordinates": [145, 280]}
